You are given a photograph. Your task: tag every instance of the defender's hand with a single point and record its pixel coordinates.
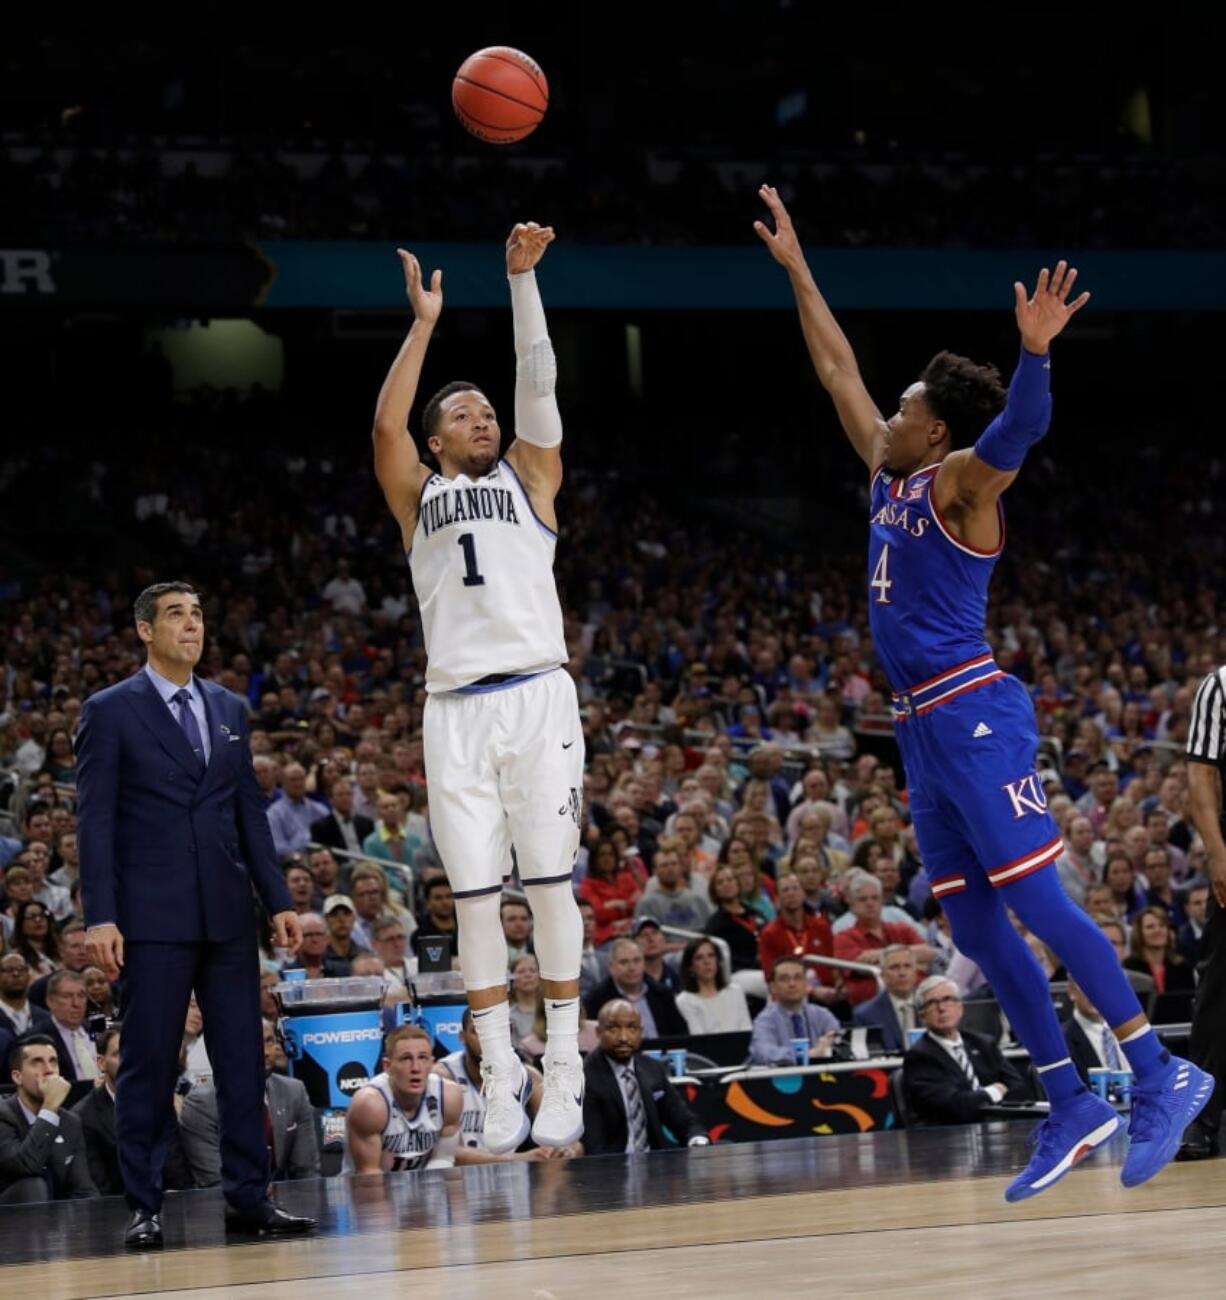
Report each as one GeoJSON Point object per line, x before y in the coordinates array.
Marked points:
{"type": "Point", "coordinates": [783, 243]}
{"type": "Point", "coordinates": [526, 245]}
{"type": "Point", "coordinates": [1043, 316]}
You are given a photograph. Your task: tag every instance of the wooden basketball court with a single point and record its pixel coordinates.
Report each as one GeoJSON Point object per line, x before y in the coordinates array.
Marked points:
{"type": "Point", "coordinates": [916, 1213]}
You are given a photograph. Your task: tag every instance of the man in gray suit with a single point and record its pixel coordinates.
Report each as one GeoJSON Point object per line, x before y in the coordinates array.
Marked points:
{"type": "Point", "coordinates": [42, 1149]}
{"type": "Point", "coordinates": [289, 1126]}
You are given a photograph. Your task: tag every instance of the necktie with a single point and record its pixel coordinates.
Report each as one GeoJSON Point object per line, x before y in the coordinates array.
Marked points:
{"type": "Point", "coordinates": [87, 1062]}
{"type": "Point", "coordinates": [187, 720]}
{"type": "Point", "coordinates": [965, 1062]}
{"type": "Point", "coordinates": [635, 1115]}
{"type": "Point", "coordinates": [906, 1017]}
{"type": "Point", "coordinates": [1111, 1053]}
{"type": "Point", "coordinates": [800, 1027]}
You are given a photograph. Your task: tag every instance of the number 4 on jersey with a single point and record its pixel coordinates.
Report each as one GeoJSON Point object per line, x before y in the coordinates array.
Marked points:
{"type": "Point", "coordinates": [882, 582]}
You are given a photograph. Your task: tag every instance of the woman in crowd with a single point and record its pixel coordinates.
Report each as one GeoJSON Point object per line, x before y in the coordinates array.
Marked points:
{"type": "Point", "coordinates": [612, 889]}
{"type": "Point", "coordinates": [35, 938]}
{"type": "Point", "coordinates": [1121, 879]}
{"type": "Point", "coordinates": [61, 762]}
{"type": "Point", "coordinates": [738, 925]}
{"type": "Point", "coordinates": [1153, 953]}
{"type": "Point", "coordinates": [708, 1002]}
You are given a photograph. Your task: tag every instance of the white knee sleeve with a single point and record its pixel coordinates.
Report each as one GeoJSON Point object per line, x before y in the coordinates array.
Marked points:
{"type": "Point", "coordinates": [483, 947]}
{"type": "Point", "coordinates": [557, 930]}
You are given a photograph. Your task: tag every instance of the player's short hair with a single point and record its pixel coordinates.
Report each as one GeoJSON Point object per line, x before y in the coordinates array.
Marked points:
{"type": "Point", "coordinates": [965, 395]}
{"type": "Point", "coordinates": [403, 1034]}
{"type": "Point", "coordinates": [146, 607]}
{"type": "Point", "coordinates": [433, 408]}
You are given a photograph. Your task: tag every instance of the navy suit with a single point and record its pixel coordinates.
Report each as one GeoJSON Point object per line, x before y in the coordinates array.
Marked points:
{"type": "Point", "coordinates": [170, 850]}
{"type": "Point", "coordinates": [880, 1012]}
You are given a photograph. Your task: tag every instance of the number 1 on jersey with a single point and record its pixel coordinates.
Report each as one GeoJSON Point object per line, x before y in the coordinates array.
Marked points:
{"type": "Point", "coordinates": [882, 582]}
{"type": "Point", "coordinates": [471, 577]}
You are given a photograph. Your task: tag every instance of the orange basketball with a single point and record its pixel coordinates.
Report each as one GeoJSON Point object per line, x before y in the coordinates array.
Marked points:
{"type": "Point", "coordinates": [500, 94]}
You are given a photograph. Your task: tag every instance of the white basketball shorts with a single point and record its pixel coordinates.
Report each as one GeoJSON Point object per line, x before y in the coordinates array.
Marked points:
{"type": "Point", "coordinates": [505, 769]}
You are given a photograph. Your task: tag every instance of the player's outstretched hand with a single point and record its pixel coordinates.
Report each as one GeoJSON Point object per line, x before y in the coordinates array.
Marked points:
{"type": "Point", "coordinates": [783, 244]}
{"type": "Point", "coordinates": [426, 303]}
{"type": "Point", "coordinates": [1043, 316]}
{"type": "Point", "coordinates": [526, 245]}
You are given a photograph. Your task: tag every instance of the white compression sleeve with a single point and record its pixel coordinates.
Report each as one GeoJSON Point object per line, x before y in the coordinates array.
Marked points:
{"type": "Point", "coordinates": [557, 930]}
{"type": "Point", "coordinates": [483, 946]}
{"type": "Point", "coordinates": [537, 418]}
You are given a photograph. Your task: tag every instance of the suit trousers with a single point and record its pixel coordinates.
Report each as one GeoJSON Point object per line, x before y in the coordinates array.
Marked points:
{"type": "Point", "coordinates": [1207, 1046]}
{"type": "Point", "coordinates": [157, 983]}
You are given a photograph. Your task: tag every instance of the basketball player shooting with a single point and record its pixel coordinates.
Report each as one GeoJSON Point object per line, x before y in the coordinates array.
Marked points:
{"type": "Point", "coordinates": [503, 743]}
{"type": "Point", "coordinates": [966, 729]}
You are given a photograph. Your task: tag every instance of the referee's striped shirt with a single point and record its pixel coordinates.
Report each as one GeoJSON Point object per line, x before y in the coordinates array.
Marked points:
{"type": "Point", "coordinates": [1207, 734]}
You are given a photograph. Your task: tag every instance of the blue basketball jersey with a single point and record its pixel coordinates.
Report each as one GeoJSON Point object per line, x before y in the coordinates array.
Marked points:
{"type": "Point", "coordinates": [928, 592]}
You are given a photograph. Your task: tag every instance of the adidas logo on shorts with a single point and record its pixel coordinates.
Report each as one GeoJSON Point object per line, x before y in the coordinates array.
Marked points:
{"type": "Point", "coordinates": [981, 730]}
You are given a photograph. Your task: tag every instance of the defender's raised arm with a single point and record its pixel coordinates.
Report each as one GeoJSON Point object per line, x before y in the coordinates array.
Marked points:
{"type": "Point", "coordinates": [833, 358]}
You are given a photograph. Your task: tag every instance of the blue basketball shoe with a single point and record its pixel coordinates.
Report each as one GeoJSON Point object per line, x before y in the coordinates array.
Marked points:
{"type": "Point", "coordinates": [1062, 1140]}
{"type": "Point", "coordinates": [1159, 1116]}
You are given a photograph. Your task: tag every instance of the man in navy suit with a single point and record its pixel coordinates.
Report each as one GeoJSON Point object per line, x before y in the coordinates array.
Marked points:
{"type": "Point", "coordinates": [172, 837]}
{"type": "Point", "coordinates": [894, 1010]}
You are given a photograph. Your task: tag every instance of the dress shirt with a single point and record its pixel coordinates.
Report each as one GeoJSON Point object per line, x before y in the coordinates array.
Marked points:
{"type": "Point", "coordinates": [167, 690]}
{"type": "Point", "coordinates": [290, 822]}
{"type": "Point", "coordinates": [640, 1004]}
{"type": "Point", "coordinates": [81, 1046]}
{"type": "Point", "coordinates": [52, 1117]}
{"type": "Point", "coordinates": [20, 1019]}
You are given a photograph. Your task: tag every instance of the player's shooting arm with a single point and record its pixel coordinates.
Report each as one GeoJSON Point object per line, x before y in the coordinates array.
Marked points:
{"type": "Point", "coordinates": [831, 353]}
{"type": "Point", "coordinates": [398, 467]}
{"type": "Point", "coordinates": [536, 453]}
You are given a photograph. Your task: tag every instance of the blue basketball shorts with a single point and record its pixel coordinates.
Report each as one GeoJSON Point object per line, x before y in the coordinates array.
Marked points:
{"type": "Point", "coordinates": [968, 741]}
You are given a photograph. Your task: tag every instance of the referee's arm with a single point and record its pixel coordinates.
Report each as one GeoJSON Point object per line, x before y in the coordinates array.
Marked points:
{"type": "Point", "coordinates": [1205, 752]}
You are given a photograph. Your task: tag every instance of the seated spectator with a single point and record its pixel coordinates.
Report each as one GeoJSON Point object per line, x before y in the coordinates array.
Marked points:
{"type": "Point", "coordinates": [66, 1001]}
{"type": "Point", "coordinates": [61, 762]}
{"type": "Point", "coordinates": [951, 1076]}
{"type": "Point", "coordinates": [797, 932]}
{"type": "Point", "coordinates": [593, 964]}
{"type": "Point", "coordinates": [1127, 895]}
{"type": "Point", "coordinates": [709, 1003]}
{"type": "Point", "coordinates": [739, 926]}
{"type": "Point", "coordinates": [894, 908]}
{"type": "Point", "coordinates": [1076, 866]}
{"type": "Point", "coordinates": [36, 858]}
{"type": "Point", "coordinates": [516, 927]}
{"type": "Point", "coordinates": [97, 1115]}
{"type": "Point", "coordinates": [695, 862]}
{"type": "Point", "coordinates": [390, 939]}
{"type": "Point", "coordinates": [301, 886]}
{"type": "Point", "coordinates": [867, 939]}
{"type": "Point", "coordinates": [757, 889]}
{"type": "Point", "coordinates": [407, 1117]}
{"type": "Point", "coordinates": [463, 1067]}
{"type": "Point", "coordinates": [390, 840]}
{"type": "Point", "coordinates": [652, 944]}
{"type": "Point", "coordinates": [893, 1011]}
{"type": "Point", "coordinates": [289, 1126]}
{"type": "Point", "coordinates": [668, 899]}
{"type": "Point", "coordinates": [35, 938]}
{"type": "Point", "coordinates": [42, 1147]}
{"type": "Point", "coordinates": [197, 1068]}
{"type": "Point", "coordinates": [1157, 827]}
{"type": "Point", "coordinates": [629, 1099]}
{"type": "Point", "coordinates": [18, 1015]}
{"type": "Point", "coordinates": [790, 1015]}
{"type": "Point", "coordinates": [1190, 939]}
{"type": "Point", "coordinates": [18, 890]}
{"type": "Point", "coordinates": [291, 817]}
{"type": "Point", "coordinates": [1091, 1044]}
{"type": "Point", "coordinates": [526, 1006]}
{"type": "Point", "coordinates": [1160, 892]}
{"type": "Point", "coordinates": [326, 872]}
{"type": "Point", "coordinates": [341, 827]}
{"type": "Point", "coordinates": [1153, 953]}
{"type": "Point", "coordinates": [1116, 934]}
{"type": "Point", "coordinates": [1100, 901]}
{"type": "Point", "coordinates": [367, 889]}
{"type": "Point", "coordinates": [612, 888]}
{"type": "Point", "coordinates": [74, 957]}
{"type": "Point", "coordinates": [813, 874]}
{"type": "Point", "coordinates": [315, 956]}
{"type": "Point", "coordinates": [627, 980]}
{"type": "Point", "coordinates": [339, 917]}
{"type": "Point", "coordinates": [439, 914]}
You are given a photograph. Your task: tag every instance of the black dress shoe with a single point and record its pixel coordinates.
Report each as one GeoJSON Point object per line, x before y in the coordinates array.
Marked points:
{"type": "Point", "coordinates": [268, 1220]}
{"type": "Point", "coordinates": [1198, 1143]}
{"type": "Point", "coordinates": [144, 1231]}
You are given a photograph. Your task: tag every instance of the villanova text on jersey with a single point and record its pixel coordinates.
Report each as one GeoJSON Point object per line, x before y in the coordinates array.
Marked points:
{"type": "Point", "coordinates": [464, 504]}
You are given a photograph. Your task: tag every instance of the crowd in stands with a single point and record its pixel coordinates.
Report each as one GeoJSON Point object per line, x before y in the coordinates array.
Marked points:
{"type": "Point", "coordinates": [743, 805]}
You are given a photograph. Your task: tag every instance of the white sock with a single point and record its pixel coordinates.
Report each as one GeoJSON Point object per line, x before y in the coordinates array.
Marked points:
{"type": "Point", "coordinates": [493, 1025]}
{"type": "Point", "coordinates": [561, 1029]}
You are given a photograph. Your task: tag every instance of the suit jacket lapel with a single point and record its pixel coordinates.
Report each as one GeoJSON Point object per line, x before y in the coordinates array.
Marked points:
{"type": "Point", "coordinates": [152, 711]}
{"type": "Point", "coordinates": [276, 1107]}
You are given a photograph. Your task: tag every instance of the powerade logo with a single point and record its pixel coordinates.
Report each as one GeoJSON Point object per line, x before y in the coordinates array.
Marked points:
{"type": "Point", "coordinates": [327, 1037]}
{"type": "Point", "coordinates": [447, 1027]}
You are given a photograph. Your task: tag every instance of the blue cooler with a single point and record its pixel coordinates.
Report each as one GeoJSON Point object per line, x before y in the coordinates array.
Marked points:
{"type": "Point", "coordinates": [439, 1008]}
{"type": "Point", "coordinates": [333, 1035]}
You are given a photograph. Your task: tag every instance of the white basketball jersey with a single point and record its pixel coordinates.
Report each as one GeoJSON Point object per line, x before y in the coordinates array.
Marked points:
{"type": "Point", "coordinates": [472, 1122]}
{"type": "Point", "coordinates": [409, 1139]}
{"type": "Point", "coordinates": [482, 566]}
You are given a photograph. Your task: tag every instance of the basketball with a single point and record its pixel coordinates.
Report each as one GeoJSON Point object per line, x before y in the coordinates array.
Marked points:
{"type": "Point", "coordinates": [500, 95]}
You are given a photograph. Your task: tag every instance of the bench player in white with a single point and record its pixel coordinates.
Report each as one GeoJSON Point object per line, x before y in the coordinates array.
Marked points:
{"type": "Point", "coordinates": [407, 1117]}
{"type": "Point", "coordinates": [503, 742]}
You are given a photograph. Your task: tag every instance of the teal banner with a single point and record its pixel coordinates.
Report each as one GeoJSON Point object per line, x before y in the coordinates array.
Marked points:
{"type": "Point", "coordinates": [609, 278]}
